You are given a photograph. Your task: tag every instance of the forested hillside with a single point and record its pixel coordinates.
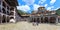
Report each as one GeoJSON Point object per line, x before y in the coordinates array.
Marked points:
{"type": "Point", "coordinates": [58, 11]}
{"type": "Point", "coordinates": [21, 12]}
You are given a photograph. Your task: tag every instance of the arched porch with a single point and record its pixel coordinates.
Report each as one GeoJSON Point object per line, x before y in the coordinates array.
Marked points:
{"type": "Point", "coordinates": [44, 19]}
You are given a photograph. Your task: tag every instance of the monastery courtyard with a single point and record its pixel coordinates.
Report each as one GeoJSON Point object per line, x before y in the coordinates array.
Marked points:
{"type": "Point", "coordinates": [28, 26]}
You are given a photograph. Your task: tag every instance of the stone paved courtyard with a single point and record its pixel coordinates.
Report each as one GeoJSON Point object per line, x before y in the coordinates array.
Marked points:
{"type": "Point", "coordinates": [28, 26]}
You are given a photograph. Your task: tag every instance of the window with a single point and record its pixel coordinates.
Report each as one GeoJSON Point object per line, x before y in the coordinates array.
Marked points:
{"type": "Point", "coordinates": [4, 11]}
{"type": "Point", "coordinates": [59, 20]}
{"type": "Point", "coordinates": [0, 9]}
{"type": "Point", "coordinates": [0, 5]}
{"type": "Point", "coordinates": [3, 19]}
{"type": "Point", "coordinates": [0, 2]}
{"type": "Point", "coordinates": [7, 7]}
{"type": "Point", "coordinates": [4, 4]}
{"type": "Point", "coordinates": [7, 12]}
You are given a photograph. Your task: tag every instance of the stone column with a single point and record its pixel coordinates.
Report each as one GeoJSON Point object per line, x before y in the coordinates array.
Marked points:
{"type": "Point", "coordinates": [43, 19]}
{"type": "Point", "coordinates": [6, 19]}
{"type": "Point", "coordinates": [40, 19]}
{"type": "Point", "coordinates": [9, 13]}
{"type": "Point", "coordinates": [33, 18]}
{"type": "Point", "coordinates": [6, 13]}
{"type": "Point", "coordinates": [56, 20]}
{"type": "Point", "coordinates": [49, 19]}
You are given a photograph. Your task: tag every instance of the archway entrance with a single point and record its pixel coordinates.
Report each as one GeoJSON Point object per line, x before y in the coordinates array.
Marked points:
{"type": "Point", "coordinates": [4, 19]}
{"type": "Point", "coordinates": [52, 19]}
{"type": "Point", "coordinates": [46, 19]}
{"type": "Point", "coordinates": [0, 18]}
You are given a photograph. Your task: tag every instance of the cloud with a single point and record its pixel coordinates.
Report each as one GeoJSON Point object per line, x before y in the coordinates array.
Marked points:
{"type": "Point", "coordinates": [35, 7]}
{"type": "Point", "coordinates": [29, 2]}
{"type": "Point", "coordinates": [56, 8]}
{"type": "Point", "coordinates": [24, 8]}
{"type": "Point", "coordinates": [41, 1]}
{"type": "Point", "coordinates": [52, 2]}
{"type": "Point", "coordinates": [46, 5]}
{"type": "Point", "coordinates": [50, 8]}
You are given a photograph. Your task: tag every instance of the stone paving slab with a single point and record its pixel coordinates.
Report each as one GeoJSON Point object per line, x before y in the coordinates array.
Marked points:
{"type": "Point", "coordinates": [28, 26]}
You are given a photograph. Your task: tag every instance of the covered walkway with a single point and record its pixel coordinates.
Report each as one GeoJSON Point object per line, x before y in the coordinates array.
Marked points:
{"type": "Point", "coordinates": [44, 19]}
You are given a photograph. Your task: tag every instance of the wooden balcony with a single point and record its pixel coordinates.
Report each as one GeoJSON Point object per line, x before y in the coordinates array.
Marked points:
{"type": "Point", "coordinates": [3, 14]}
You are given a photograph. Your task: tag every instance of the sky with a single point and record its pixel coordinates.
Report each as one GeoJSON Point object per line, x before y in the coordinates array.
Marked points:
{"type": "Point", "coordinates": [32, 5]}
